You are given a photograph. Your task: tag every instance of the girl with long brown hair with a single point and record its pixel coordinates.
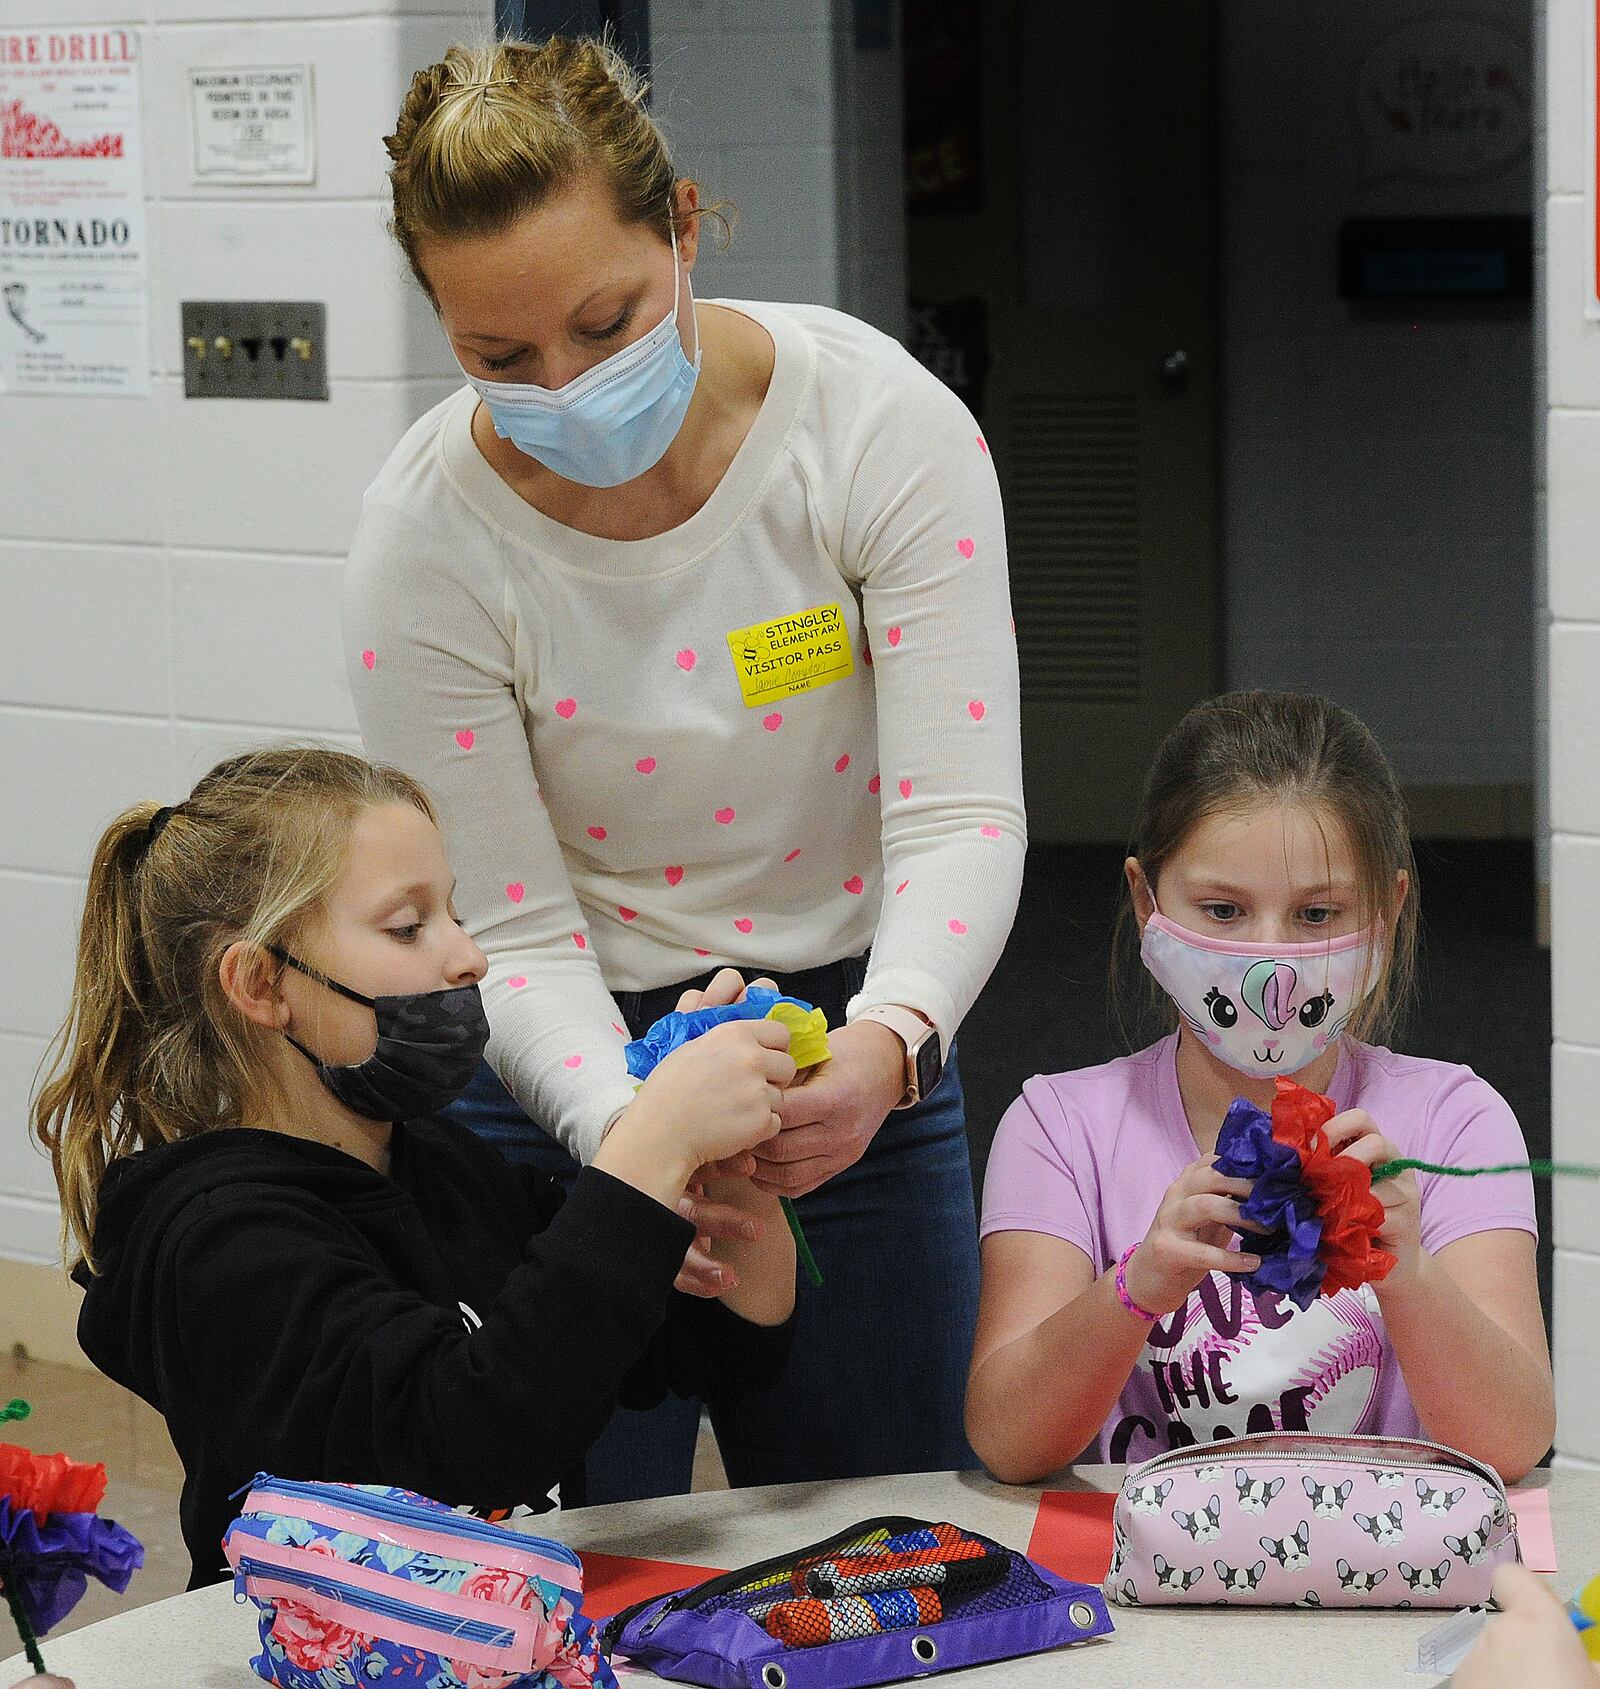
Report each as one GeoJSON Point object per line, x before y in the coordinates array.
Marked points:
{"type": "Point", "coordinates": [1271, 895]}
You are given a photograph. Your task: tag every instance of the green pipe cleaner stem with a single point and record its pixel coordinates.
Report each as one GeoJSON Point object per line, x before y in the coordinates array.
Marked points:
{"type": "Point", "coordinates": [14, 1409]}
{"type": "Point", "coordinates": [801, 1247]}
{"type": "Point", "coordinates": [1539, 1169]}
{"type": "Point", "coordinates": [30, 1642]}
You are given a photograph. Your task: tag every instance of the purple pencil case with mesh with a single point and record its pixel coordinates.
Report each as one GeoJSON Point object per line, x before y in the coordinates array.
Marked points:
{"type": "Point", "coordinates": [878, 1602]}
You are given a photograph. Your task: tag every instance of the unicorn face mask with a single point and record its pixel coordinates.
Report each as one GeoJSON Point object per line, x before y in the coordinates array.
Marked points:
{"type": "Point", "coordinates": [1261, 1010]}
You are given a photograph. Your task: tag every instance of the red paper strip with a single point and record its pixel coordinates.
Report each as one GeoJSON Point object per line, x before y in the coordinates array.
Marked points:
{"type": "Point", "coordinates": [1072, 1534]}
{"type": "Point", "coordinates": [614, 1581]}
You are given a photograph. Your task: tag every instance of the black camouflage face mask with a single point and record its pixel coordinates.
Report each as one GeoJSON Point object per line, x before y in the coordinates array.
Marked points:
{"type": "Point", "coordinates": [429, 1044]}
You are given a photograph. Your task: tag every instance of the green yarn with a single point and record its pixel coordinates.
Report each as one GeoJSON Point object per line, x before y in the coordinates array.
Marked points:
{"type": "Point", "coordinates": [1539, 1169]}
{"type": "Point", "coordinates": [19, 1617]}
{"type": "Point", "coordinates": [14, 1409]}
{"type": "Point", "coordinates": [801, 1247]}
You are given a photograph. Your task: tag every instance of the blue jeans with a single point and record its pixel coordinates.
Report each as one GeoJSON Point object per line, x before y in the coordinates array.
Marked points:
{"type": "Point", "coordinates": [877, 1375]}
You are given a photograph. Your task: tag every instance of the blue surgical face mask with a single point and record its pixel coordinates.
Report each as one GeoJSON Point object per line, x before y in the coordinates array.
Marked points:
{"type": "Point", "coordinates": [613, 422]}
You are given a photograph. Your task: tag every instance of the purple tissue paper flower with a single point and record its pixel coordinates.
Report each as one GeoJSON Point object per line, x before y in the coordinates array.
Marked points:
{"type": "Point", "coordinates": [1290, 1261]}
{"type": "Point", "coordinates": [49, 1564]}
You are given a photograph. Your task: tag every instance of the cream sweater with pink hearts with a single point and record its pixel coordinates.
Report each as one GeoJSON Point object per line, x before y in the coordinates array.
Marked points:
{"type": "Point", "coordinates": [627, 797]}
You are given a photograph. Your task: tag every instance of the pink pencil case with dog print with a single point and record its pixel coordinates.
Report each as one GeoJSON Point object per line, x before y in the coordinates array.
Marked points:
{"type": "Point", "coordinates": [1292, 1519]}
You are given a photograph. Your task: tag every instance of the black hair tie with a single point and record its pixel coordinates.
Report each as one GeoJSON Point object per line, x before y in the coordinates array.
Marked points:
{"type": "Point", "coordinates": [158, 822]}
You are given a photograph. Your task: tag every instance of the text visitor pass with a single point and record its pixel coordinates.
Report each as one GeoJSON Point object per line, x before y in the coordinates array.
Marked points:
{"type": "Point", "coordinates": [791, 654]}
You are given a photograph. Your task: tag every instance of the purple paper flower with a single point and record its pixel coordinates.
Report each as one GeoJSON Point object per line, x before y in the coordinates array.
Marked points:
{"type": "Point", "coordinates": [1291, 1264]}
{"type": "Point", "coordinates": [48, 1565]}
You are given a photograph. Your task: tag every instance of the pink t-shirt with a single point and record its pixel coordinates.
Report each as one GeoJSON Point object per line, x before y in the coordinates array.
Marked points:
{"type": "Point", "coordinates": [1087, 1157]}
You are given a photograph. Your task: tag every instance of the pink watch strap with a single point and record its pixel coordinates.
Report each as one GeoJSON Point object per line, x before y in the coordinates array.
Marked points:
{"type": "Point", "coordinates": [1122, 1289]}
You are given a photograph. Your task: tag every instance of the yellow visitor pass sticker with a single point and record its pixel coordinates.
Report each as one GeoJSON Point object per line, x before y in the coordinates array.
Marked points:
{"type": "Point", "coordinates": [791, 654]}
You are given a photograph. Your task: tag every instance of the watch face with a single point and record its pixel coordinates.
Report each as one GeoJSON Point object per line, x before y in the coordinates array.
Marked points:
{"type": "Point", "coordinates": [930, 1065]}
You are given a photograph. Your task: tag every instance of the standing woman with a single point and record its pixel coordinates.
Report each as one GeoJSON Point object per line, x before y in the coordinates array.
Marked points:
{"type": "Point", "coordinates": [693, 618]}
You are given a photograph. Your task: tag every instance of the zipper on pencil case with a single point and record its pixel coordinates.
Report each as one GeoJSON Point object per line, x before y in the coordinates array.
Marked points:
{"type": "Point", "coordinates": [1212, 1454]}
{"type": "Point", "coordinates": [443, 1522]}
{"type": "Point", "coordinates": [385, 1606]}
{"type": "Point", "coordinates": [894, 1524]}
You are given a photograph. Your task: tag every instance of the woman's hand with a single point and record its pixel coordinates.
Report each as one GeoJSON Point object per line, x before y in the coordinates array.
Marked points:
{"type": "Point", "coordinates": [1356, 1134]}
{"type": "Point", "coordinates": [831, 1117]}
{"type": "Point", "coordinates": [1531, 1640]}
{"type": "Point", "coordinates": [1189, 1238]}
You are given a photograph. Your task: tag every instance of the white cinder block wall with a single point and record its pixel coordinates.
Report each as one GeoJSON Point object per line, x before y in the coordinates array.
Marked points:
{"type": "Point", "coordinates": [169, 567]}
{"type": "Point", "coordinates": [1572, 525]}
{"type": "Point", "coordinates": [772, 104]}
{"type": "Point", "coordinates": [1377, 469]}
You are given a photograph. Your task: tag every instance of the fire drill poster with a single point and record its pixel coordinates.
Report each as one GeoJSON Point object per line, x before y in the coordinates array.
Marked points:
{"type": "Point", "coordinates": [73, 290]}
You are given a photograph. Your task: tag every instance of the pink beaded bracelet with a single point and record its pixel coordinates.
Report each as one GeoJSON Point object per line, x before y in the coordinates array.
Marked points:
{"type": "Point", "coordinates": [1122, 1289]}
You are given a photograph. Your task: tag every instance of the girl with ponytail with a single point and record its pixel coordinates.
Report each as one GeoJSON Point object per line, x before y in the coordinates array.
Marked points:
{"type": "Point", "coordinates": [285, 1251]}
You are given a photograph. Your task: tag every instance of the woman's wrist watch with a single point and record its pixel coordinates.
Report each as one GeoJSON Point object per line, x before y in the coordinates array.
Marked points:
{"type": "Point", "coordinates": [924, 1057]}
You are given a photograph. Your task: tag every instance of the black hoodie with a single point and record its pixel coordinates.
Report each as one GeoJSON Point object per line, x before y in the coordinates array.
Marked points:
{"type": "Point", "coordinates": [452, 1326]}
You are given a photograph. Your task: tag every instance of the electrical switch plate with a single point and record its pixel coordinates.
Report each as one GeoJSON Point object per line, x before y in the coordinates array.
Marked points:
{"type": "Point", "coordinates": [255, 349]}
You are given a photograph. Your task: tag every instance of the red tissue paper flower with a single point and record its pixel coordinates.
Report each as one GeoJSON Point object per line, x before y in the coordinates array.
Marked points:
{"type": "Point", "coordinates": [49, 1483]}
{"type": "Point", "coordinates": [1340, 1186]}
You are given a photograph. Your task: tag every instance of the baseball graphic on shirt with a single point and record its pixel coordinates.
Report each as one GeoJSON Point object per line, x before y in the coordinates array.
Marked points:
{"type": "Point", "coordinates": [1315, 1370]}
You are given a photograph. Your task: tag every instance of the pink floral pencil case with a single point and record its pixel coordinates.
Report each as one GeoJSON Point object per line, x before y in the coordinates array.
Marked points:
{"type": "Point", "coordinates": [1288, 1518]}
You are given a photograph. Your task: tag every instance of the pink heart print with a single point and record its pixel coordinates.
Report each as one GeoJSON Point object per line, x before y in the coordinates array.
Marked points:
{"type": "Point", "coordinates": [674, 874]}
{"type": "Point", "coordinates": [646, 765]}
{"type": "Point", "coordinates": [772, 722]}
{"type": "Point", "coordinates": [686, 659]}
{"type": "Point", "coordinates": [842, 764]}
{"type": "Point", "coordinates": [515, 891]}
{"type": "Point", "coordinates": [517, 981]}
{"type": "Point", "coordinates": [990, 832]}
{"type": "Point", "coordinates": [983, 445]}
{"type": "Point", "coordinates": [699, 952]}
{"type": "Point", "coordinates": [957, 927]}
{"type": "Point", "coordinates": [725, 816]}
{"type": "Point", "coordinates": [581, 942]}
{"type": "Point", "coordinates": [595, 832]}
{"type": "Point", "coordinates": [905, 788]}
{"type": "Point", "coordinates": [874, 784]}
{"type": "Point", "coordinates": [965, 547]}
{"type": "Point", "coordinates": [745, 924]}
{"type": "Point", "coordinates": [901, 887]}
{"type": "Point", "coordinates": [976, 709]}
{"type": "Point", "coordinates": [791, 856]}
{"type": "Point", "coordinates": [855, 885]}
{"type": "Point", "coordinates": [566, 708]}
{"type": "Point", "coordinates": [370, 658]}
{"type": "Point", "coordinates": [894, 636]}
{"type": "Point", "coordinates": [574, 1061]}
{"type": "Point", "coordinates": [466, 738]}
{"type": "Point", "coordinates": [626, 913]}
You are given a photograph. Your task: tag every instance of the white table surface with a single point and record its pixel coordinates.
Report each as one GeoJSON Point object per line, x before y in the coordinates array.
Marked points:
{"type": "Point", "coordinates": [205, 1640]}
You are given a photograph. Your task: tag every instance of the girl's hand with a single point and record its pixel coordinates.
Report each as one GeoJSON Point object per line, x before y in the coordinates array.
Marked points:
{"type": "Point", "coordinates": [1530, 1640]}
{"type": "Point", "coordinates": [1356, 1134]}
{"type": "Point", "coordinates": [702, 1274]}
{"type": "Point", "coordinates": [1189, 1238]}
{"type": "Point", "coordinates": [719, 1096]}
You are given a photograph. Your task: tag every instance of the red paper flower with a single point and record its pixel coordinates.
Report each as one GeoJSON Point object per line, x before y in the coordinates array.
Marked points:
{"type": "Point", "coordinates": [49, 1483]}
{"type": "Point", "coordinates": [1340, 1186]}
